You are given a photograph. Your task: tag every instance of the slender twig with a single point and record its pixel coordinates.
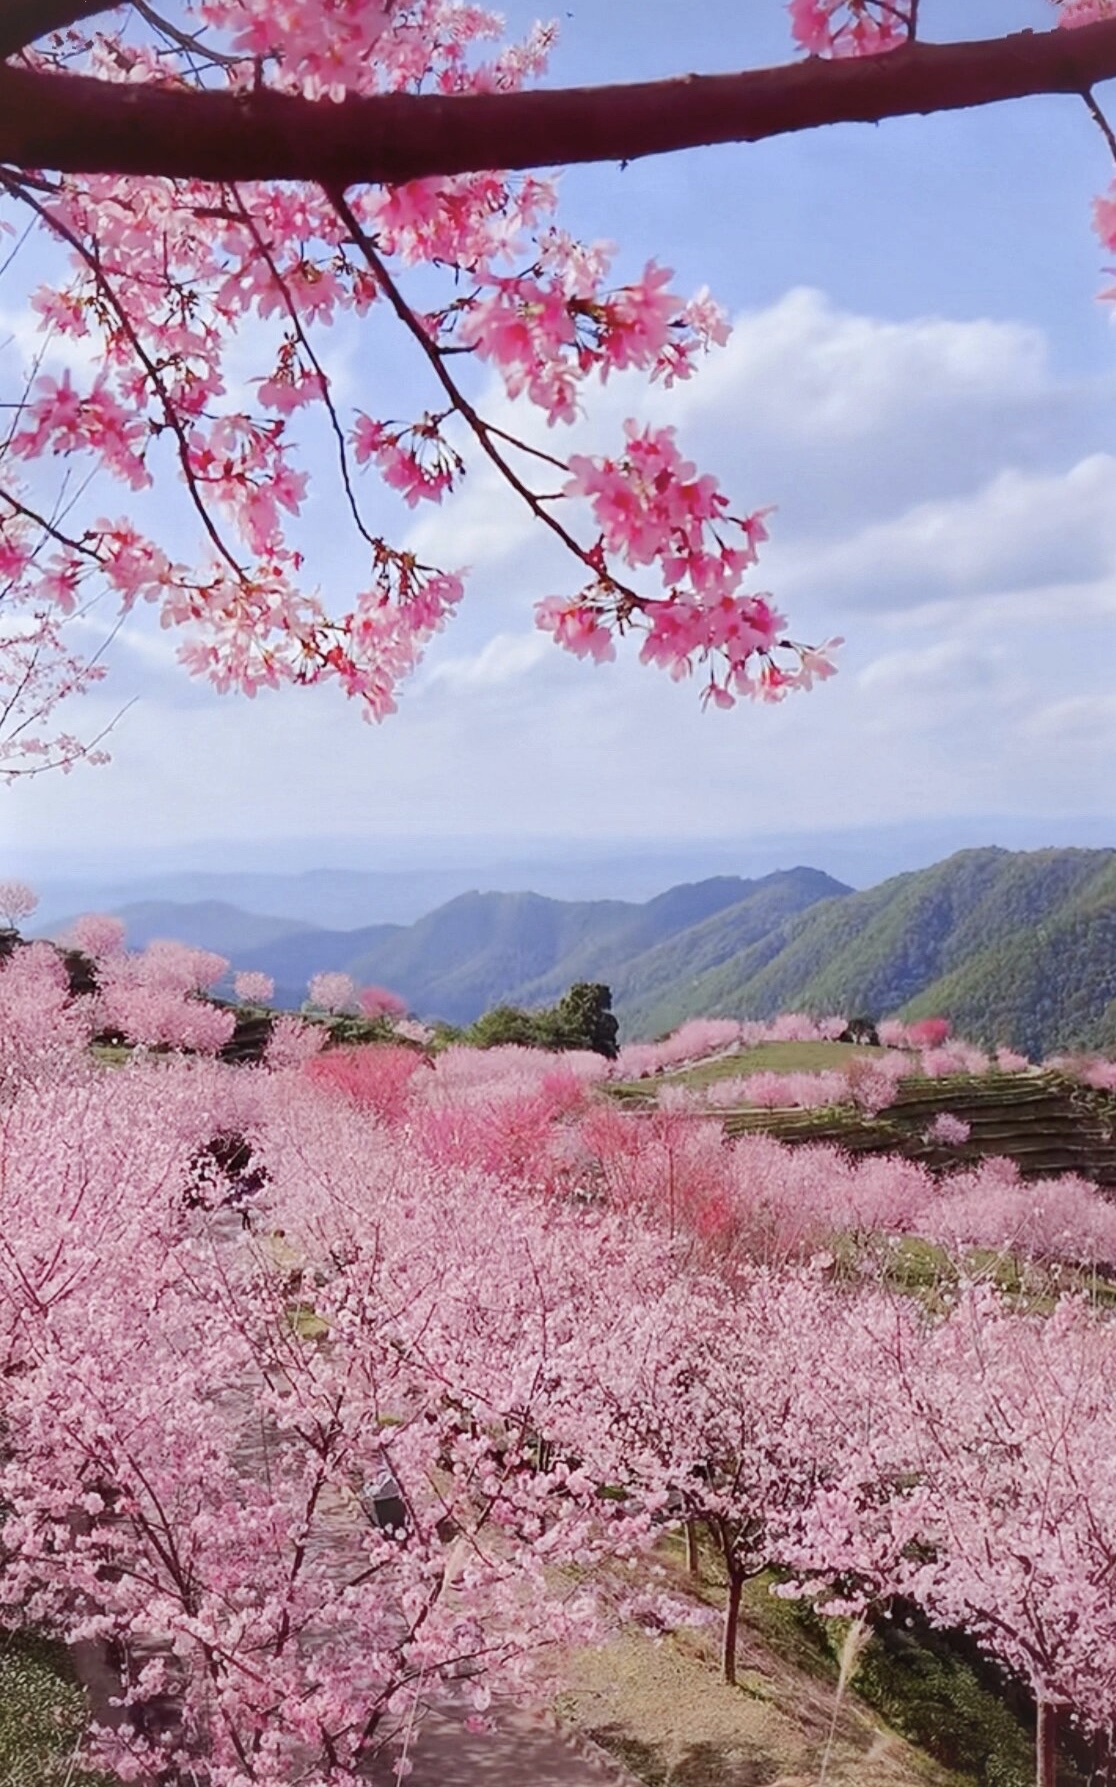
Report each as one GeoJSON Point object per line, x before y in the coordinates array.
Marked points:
{"type": "Point", "coordinates": [251, 225]}
{"type": "Point", "coordinates": [185, 40]}
{"type": "Point", "coordinates": [513, 440]}
{"type": "Point", "coordinates": [48, 527]}
{"type": "Point", "coordinates": [469, 414]}
{"type": "Point", "coordinates": [1099, 119]}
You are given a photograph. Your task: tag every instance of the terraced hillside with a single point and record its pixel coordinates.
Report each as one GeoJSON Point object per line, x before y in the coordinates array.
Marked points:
{"type": "Point", "coordinates": [1045, 1122]}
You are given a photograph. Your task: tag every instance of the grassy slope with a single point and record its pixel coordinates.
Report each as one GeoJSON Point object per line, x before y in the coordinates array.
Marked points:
{"type": "Point", "coordinates": [41, 1716]}
{"type": "Point", "coordinates": [919, 1711]}
{"type": "Point", "coordinates": [768, 1057]}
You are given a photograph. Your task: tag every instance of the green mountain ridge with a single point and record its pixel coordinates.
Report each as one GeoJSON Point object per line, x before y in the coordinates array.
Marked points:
{"type": "Point", "coordinates": [1016, 949]}
{"type": "Point", "coordinates": [482, 949]}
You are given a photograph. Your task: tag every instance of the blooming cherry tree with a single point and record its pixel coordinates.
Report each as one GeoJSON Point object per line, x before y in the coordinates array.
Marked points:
{"type": "Point", "coordinates": [17, 901]}
{"type": "Point", "coordinates": [253, 987]}
{"type": "Point", "coordinates": [331, 992]}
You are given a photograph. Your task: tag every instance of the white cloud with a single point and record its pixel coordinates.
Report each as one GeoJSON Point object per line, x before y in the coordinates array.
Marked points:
{"type": "Point", "coordinates": [505, 659]}
{"type": "Point", "coordinates": [805, 370]}
{"type": "Point", "coordinates": [944, 500]}
{"type": "Point", "coordinates": [1021, 531]}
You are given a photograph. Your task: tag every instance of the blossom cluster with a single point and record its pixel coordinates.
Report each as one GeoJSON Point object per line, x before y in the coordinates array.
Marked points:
{"type": "Point", "coordinates": [851, 27]}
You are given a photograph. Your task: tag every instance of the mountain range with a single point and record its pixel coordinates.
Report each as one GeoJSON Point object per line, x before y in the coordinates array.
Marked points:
{"type": "Point", "coordinates": [1016, 948]}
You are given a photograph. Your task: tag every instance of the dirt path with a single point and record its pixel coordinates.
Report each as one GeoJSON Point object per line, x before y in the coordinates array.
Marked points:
{"type": "Point", "coordinates": [525, 1751]}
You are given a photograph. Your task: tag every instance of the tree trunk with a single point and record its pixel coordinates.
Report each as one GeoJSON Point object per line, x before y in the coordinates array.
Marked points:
{"type": "Point", "coordinates": [732, 1622]}
{"type": "Point", "coordinates": [693, 1561]}
{"type": "Point", "coordinates": [1046, 1744]}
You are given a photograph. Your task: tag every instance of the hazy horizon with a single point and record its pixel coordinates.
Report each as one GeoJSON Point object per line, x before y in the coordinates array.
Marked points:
{"type": "Point", "coordinates": [402, 878]}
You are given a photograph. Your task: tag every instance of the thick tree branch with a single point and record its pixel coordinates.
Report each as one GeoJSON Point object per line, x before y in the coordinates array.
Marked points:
{"type": "Point", "coordinates": [24, 22]}
{"type": "Point", "coordinates": [73, 124]}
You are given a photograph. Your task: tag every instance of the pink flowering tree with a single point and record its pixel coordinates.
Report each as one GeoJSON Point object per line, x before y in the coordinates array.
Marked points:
{"type": "Point", "coordinates": [98, 935]}
{"type": "Point", "coordinates": [289, 1485]}
{"type": "Point", "coordinates": [331, 992]}
{"type": "Point", "coordinates": [733, 1408]}
{"type": "Point", "coordinates": [42, 1027]}
{"type": "Point", "coordinates": [213, 210]}
{"type": "Point", "coordinates": [381, 1002]}
{"type": "Point", "coordinates": [1014, 1437]}
{"type": "Point", "coordinates": [253, 988]}
{"type": "Point", "coordinates": [156, 998]}
{"type": "Point", "coordinates": [17, 901]}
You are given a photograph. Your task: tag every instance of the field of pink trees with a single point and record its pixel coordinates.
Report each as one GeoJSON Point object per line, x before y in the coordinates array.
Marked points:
{"type": "Point", "coordinates": [337, 1385]}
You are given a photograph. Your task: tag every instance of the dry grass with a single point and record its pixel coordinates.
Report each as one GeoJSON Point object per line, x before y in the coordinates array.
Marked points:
{"type": "Point", "coordinates": [658, 1705]}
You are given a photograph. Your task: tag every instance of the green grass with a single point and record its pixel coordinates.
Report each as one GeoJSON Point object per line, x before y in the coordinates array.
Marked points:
{"type": "Point", "coordinates": [924, 1683]}
{"type": "Point", "coordinates": [766, 1057]}
{"type": "Point", "coordinates": [42, 1713]}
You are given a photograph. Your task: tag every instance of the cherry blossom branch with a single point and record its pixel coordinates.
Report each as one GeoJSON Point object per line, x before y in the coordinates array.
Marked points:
{"type": "Point", "coordinates": [472, 418]}
{"type": "Point", "coordinates": [76, 124]}
{"type": "Point", "coordinates": [48, 527]}
{"type": "Point", "coordinates": [158, 384]}
{"type": "Point", "coordinates": [250, 224]}
{"type": "Point", "coordinates": [512, 439]}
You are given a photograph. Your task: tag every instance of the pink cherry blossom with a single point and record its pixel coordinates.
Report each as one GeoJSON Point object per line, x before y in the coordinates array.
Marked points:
{"type": "Point", "coordinates": [17, 901]}
{"type": "Point", "coordinates": [332, 992]}
{"type": "Point", "coordinates": [253, 987]}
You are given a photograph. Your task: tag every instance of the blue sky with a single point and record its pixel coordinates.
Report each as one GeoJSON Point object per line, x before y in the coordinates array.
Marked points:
{"type": "Point", "coordinates": [920, 378]}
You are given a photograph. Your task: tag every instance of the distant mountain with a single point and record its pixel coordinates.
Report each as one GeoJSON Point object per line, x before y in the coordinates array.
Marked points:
{"type": "Point", "coordinates": [486, 948]}
{"type": "Point", "coordinates": [1015, 948]}
{"type": "Point", "coordinates": [205, 924]}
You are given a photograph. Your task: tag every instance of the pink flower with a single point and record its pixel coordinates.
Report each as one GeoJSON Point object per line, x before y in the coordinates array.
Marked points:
{"type": "Point", "coordinates": [575, 626]}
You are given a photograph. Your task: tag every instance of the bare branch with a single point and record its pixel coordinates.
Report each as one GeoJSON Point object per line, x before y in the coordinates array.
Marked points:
{"type": "Point", "coordinates": [24, 22]}
{"type": "Point", "coordinates": [1100, 119]}
{"type": "Point", "coordinates": [190, 41]}
{"type": "Point", "coordinates": [78, 125]}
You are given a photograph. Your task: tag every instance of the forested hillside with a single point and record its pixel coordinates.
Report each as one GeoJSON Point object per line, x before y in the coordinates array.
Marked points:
{"type": "Point", "coordinates": [1016, 948]}
{"type": "Point", "coordinates": [484, 948]}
